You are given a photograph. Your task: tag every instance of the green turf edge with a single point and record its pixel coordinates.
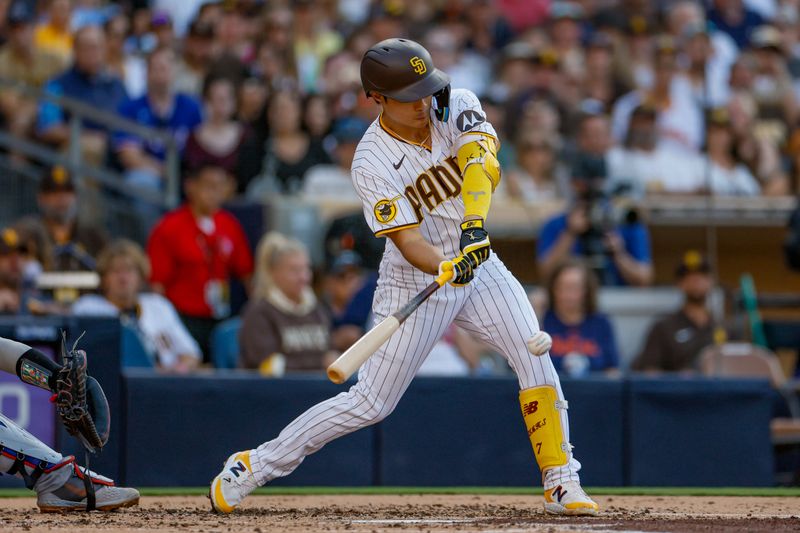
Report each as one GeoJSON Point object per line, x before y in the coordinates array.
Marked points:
{"type": "Point", "coordinates": [600, 491]}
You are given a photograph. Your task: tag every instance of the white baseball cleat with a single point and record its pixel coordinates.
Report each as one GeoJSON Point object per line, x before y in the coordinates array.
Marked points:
{"type": "Point", "coordinates": [540, 343]}
{"type": "Point", "coordinates": [233, 484]}
{"type": "Point", "coordinates": [569, 499]}
{"type": "Point", "coordinates": [71, 496]}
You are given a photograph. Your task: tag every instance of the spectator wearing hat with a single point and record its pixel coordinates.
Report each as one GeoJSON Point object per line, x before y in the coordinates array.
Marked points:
{"type": "Point", "coordinates": [195, 249]}
{"type": "Point", "coordinates": [21, 61]}
{"type": "Point", "coordinates": [219, 139]}
{"type": "Point", "coordinates": [89, 81]}
{"type": "Point", "coordinates": [124, 270]}
{"type": "Point", "coordinates": [11, 271]}
{"type": "Point", "coordinates": [680, 121]}
{"type": "Point", "coordinates": [333, 180]}
{"type": "Point", "coordinates": [675, 341]}
{"type": "Point", "coordinates": [63, 241]}
{"type": "Point", "coordinates": [772, 87]}
{"type": "Point", "coordinates": [54, 34]}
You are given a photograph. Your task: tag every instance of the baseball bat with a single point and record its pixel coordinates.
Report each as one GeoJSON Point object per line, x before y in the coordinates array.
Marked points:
{"type": "Point", "coordinates": [355, 356]}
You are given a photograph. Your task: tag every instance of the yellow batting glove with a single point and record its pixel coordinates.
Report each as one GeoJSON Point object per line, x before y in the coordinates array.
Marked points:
{"type": "Point", "coordinates": [462, 268]}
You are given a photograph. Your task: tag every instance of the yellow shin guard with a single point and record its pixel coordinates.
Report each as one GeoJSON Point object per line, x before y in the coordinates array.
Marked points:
{"type": "Point", "coordinates": [540, 407]}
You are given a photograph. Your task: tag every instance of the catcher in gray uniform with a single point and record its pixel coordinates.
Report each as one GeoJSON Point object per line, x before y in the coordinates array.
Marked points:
{"type": "Point", "coordinates": [60, 484]}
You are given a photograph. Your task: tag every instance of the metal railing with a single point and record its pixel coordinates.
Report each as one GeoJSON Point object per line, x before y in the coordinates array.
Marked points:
{"type": "Point", "coordinates": [72, 160]}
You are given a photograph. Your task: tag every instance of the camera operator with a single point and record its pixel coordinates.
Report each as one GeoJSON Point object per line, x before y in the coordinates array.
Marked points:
{"type": "Point", "coordinates": [612, 240]}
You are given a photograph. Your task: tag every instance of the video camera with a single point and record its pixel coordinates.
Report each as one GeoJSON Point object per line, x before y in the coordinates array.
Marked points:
{"type": "Point", "coordinates": [604, 208]}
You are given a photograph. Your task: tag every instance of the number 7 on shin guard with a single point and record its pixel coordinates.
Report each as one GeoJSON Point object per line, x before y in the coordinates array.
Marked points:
{"type": "Point", "coordinates": [540, 407]}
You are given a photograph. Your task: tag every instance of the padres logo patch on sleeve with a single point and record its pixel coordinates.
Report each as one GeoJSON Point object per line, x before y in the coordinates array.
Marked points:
{"type": "Point", "coordinates": [385, 210]}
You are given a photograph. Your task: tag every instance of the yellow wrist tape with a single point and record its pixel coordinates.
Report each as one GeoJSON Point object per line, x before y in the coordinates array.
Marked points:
{"type": "Point", "coordinates": [481, 173]}
{"type": "Point", "coordinates": [540, 407]}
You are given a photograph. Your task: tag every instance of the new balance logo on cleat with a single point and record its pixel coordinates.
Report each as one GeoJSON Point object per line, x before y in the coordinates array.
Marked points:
{"type": "Point", "coordinates": [238, 468]}
{"type": "Point", "coordinates": [559, 493]}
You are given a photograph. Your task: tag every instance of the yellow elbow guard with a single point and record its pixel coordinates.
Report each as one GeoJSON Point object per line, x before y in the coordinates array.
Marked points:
{"type": "Point", "coordinates": [540, 407]}
{"type": "Point", "coordinates": [477, 161]}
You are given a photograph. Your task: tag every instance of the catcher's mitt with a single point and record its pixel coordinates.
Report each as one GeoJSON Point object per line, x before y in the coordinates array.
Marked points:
{"type": "Point", "coordinates": [80, 400]}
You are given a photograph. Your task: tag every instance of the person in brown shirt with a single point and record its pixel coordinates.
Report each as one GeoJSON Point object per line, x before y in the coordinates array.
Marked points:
{"type": "Point", "coordinates": [675, 341]}
{"type": "Point", "coordinates": [284, 326]}
{"type": "Point", "coordinates": [56, 237]}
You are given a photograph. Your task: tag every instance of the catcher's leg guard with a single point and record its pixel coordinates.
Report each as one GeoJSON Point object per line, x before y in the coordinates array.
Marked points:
{"type": "Point", "coordinates": [540, 407]}
{"type": "Point", "coordinates": [25, 456]}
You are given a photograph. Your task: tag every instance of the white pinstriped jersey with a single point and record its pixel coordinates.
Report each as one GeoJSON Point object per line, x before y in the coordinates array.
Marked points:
{"type": "Point", "coordinates": [403, 185]}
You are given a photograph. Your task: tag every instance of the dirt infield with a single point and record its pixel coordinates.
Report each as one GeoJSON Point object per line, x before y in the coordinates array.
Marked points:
{"type": "Point", "coordinates": [373, 513]}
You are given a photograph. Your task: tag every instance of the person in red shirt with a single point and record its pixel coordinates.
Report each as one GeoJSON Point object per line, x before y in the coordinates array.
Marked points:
{"type": "Point", "coordinates": [196, 249]}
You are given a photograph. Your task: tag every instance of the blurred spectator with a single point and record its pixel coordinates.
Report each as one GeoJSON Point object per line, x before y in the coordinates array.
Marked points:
{"type": "Point", "coordinates": [89, 81]}
{"type": "Point", "coordinates": [680, 122]}
{"type": "Point", "coordinates": [565, 34]}
{"type": "Point", "coordinates": [614, 242]}
{"type": "Point", "coordinates": [63, 241]}
{"type": "Point", "coordinates": [314, 43]}
{"type": "Point", "coordinates": [488, 30]}
{"type": "Point", "coordinates": [537, 174]}
{"type": "Point", "coordinates": [455, 354]}
{"type": "Point", "coordinates": [735, 19]}
{"type": "Point", "coordinates": [124, 269]}
{"type": "Point", "coordinates": [599, 82]}
{"type": "Point", "coordinates": [218, 141]}
{"type": "Point", "coordinates": [583, 340]}
{"type": "Point", "coordinates": [723, 171]}
{"type": "Point", "coordinates": [252, 98]}
{"type": "Point", "coordinates": [333, 180]}
{"type": "Point", "coordinates": [710, 52]}
{"type": "Point", "coordinates": [288, 152]}
{"type": "Point", "coordinates": [162, 29]}
{"type": "Point", "coordinates": [466, 69]}
{"type": "Point", "coordinates": [140, 41]}
{"type": "Point", "coordinates": [644, 166]}
{"type": "Point", "coordinates": [348, 289]}
{"type": "Point", "coordinates": [317, 116]}
{"type": "Point", "coordinates": [196, 54]}
{"type": "Point", "coordinates": [772, 85]}
{"type": "Point", "coordinates": [54, 34]}
{"type": "Point", "coordinates": [675, 341]}
{"type": "Point", "coordinates": [523, 14]}
{"type": "Point", "coordinates": [11, 271]}
{"type": "Point", "coordinates": [143, 159]}
{"type": "Point", "coordinates": [130, 68]}
{"type": "Point", "coordinates": [284, 323]}
{"type": "Point", "coordinates": [21, 61]}
{"type": "Point", "coordinates": [195, 249]}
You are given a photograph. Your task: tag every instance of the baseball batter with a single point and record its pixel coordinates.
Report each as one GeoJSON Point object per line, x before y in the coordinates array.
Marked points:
{"type": "Point", "coordinates": [425, 171]}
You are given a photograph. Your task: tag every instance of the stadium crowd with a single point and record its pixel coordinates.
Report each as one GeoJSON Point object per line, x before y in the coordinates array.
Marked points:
{"type": "Point", "coordinates": [593, 100]}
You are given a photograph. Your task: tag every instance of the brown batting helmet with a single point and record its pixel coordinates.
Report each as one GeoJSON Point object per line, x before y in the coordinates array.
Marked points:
{"type": "Point", "coordinates": [403, 70]}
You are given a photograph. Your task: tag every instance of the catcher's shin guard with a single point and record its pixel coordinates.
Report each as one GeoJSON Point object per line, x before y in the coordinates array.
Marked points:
{"type": "Point", "coordinates": [540, 406]}
{"type": "Point", "coordinates": [25, 456]}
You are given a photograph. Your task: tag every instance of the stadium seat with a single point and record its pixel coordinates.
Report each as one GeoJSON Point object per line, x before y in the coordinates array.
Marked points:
{"type": "Point", "coordinates": [225, 343]}
{"type": "Point", "coordinates": [739, 359]}
{"type": "Point", "coordinates": [134, 354]}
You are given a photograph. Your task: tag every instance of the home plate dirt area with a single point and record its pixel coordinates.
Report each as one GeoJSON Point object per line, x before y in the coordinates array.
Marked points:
{"type": "Point", "coordinates": [435, 512]}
